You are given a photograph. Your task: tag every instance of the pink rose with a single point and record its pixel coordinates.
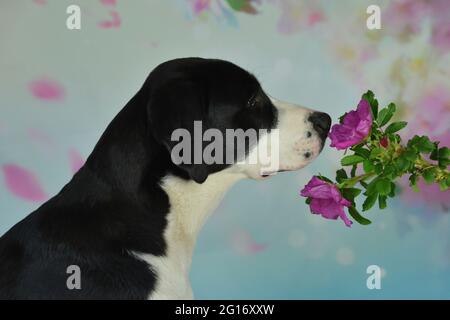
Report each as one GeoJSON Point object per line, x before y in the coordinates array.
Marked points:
{"type": "Point", "coordinates": [354, 128]}
{"type": "Point", "coordinates": [326, 200]}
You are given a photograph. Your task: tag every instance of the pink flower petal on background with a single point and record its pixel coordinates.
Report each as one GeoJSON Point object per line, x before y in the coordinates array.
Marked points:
{"type": "Point", "coordinates": [244, 244]}
{"type": "Point", "coordinates": [200, 5]}
{"type": "Point", "coordinates": [429, 195]}
{"type": "Point", "coordinates": [76, 160]}
{"type": "Point", "coordinates": [46, 89]}
{"type": "Point", "coordinates": [23, 183]}
{"type": "Point", "coordinates": [115, 22]}
{"type": "Point", "coordinates": [441, 35]}
{"type": "Point", "coordinates": [315, 17]}
{"type": "Point", "coordinates": [40, 2]}
{"type": "Point", "coordinates": [109, 2]}
{"type": "Point", "coordinates": [105, 24]}
{"type": "Point", "coordinates": [431, 118]}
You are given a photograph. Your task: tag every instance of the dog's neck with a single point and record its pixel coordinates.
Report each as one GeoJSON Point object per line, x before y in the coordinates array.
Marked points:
{"type": "Point", "coordinates": [191, 204]}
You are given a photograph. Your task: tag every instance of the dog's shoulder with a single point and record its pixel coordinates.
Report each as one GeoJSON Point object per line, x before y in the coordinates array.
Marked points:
{"type": "Point", "coordinates": [90, 226]}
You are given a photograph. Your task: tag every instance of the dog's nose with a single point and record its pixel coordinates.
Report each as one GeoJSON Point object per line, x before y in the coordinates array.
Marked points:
{"type": "Point", "coordinates": [321, 123]}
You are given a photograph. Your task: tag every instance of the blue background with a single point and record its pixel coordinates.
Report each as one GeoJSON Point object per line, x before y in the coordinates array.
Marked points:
{"type": "Point", "coordinates": [261, 242]}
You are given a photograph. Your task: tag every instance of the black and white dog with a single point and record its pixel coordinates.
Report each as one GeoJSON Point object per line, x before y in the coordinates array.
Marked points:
{"type": "Point", "coordinates": [130, 217]}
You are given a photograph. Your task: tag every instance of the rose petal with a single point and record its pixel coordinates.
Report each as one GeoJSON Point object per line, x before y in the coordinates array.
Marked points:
{"type": "Point", "coordinates": [354, 128]}
{"type": "Point", "coordinates": [109, 2]}
{"type": "Point", "coordinates": [115, 22]}
{"type": "Point", "coordinates": [76, 160]}
{"type": "Point", "coordinates": [244, 243]}
{"type": "Point", "coordinates": [23, 183]}
{"type": "Point", "coordinates": [46, 89]}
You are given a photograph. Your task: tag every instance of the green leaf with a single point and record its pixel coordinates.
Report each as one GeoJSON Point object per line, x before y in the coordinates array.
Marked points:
{"type": "Point", "coordinates": [374, 108]}
{"type": "Point", "coordinates": [370, 97]}
{"type": "Point", "coordinates": [370, 201]}
{"type": "Point", "coordinates": [358, 217]}
{"type": "Point", "coordinates": [413, 141]}
{"type": "Point", "coordinates": [361, 151]}
{"type": "Point", "coordinates": [393, 187]}
{"type": "Point", "coordinates": [382, 202]}
{"type": "Point", "coordinates": [353, 171]}
{"type": "Point", "coordinates": [341, 118]}
{"type": "Point", "coordinates": [341, 175]}
{"type": "Point", "coordinates": [429, 175]}
{"type": "Point", "coordinates": [443, 185]}
{"type": "Point", "coordinates": [351, 160]}
{"type": "Point", "coordinates": [350, 193]}
{"type": "Point", "coordinates": [444, 163]}
{"type": "Point", "coordinates": [372, 187]}
{"type": "Point", "coordinates": [402, 163]}
{"type": "Point", "coordinates": [385, 115]}
{"type": "Point", "coordinates": [308, 200]}
{"type": "Point", "coordinates": [236, 4]}
{"type": "Point", "coordinates": [323, 178]}
{"type": "Point", "coordinates": [425, 145]}
{"type": "Point", "coordinates": [383, 186]}
{"type": "Point", "coordinates": [444, 152]}
{"type": "Point", "coordinates": [434, 155]}
{"type": "Point", "coordinates": [368, 166]}
{"type": "Point", "coordinates": [395, 126]}
{"type": "Point", "coordinates": [378, 168]}
{"type": "Point", "coordinates": [390, 171]}
{"type": "Point", "coordinates": [441, 155]}
{"type": "Point", "coordinates": [410, 155]}
{"type": "Point", "coordinates": [413, 182]}
{"type": "Point", "coordinates": [376, 152]}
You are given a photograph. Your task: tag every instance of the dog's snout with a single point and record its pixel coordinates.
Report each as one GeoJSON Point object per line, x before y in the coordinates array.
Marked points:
{"type": "Point", "coordinates": [321, 123]}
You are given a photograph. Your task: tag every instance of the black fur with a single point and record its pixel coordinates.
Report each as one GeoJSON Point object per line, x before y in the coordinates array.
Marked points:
{"type": "Point", "coordinates": [114, 205]}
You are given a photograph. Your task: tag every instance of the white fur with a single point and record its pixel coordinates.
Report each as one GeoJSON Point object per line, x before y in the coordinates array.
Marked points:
{"type": "Point", "coordinates": [293, 126]}
{"type": "Point", "coordinates": [191, 203]}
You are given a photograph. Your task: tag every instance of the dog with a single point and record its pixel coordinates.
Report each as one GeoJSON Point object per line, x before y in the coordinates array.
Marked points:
{"type": "Point", "coordinates": [129, 218]}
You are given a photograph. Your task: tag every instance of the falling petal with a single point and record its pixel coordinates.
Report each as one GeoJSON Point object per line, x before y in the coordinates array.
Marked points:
{"type": "Point", "coordinates": [315, 17]}
{"type": "Point", "coordinates": [111, 3]}
{"type": "Point", "coordinates": [46, 89]}
{"type": "Point", "coordinates": [115, 22]}
{"type": "Point", "coordinates": [76, 160]}
{"type": "Point", "coordinates": [244, 243]}
{"type": "Point", "coordinates": [23, 183]}
{"type": "Point", "coordinates": [200, 5]}
{"type": "Point", "coordinates": [40, 2]}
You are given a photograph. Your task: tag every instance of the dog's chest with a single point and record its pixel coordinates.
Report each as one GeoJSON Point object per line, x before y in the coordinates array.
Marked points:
{"type": "Point", "coordinates": [190, 205]}
{"type": "Point", "coordinates": [172, 278]}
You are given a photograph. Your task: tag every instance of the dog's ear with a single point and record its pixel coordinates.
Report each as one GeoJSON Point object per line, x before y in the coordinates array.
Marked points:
{"type": "Point", "coordinates": [177, 104]}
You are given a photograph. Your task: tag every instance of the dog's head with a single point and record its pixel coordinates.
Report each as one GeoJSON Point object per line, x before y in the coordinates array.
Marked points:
{"type": "Point", "coordinates": [211, 115]}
